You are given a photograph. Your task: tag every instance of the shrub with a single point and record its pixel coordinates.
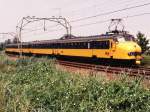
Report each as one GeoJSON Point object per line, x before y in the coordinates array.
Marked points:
{"type": "Point", "coordinates": [37, 85]}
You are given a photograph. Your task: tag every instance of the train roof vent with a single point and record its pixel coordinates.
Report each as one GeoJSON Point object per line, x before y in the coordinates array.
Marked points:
{"type": "Point", "coordinates": [66, 36]}
{"type": "Point", "coordinates": [116, 32]}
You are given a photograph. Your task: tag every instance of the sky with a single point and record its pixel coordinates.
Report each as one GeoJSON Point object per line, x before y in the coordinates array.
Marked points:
{"type": "Point", "coordinates": [12, 11]}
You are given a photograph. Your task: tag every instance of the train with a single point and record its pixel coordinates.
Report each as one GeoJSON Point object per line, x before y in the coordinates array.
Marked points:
{"type": "Point", "coordinates": [115, 46]}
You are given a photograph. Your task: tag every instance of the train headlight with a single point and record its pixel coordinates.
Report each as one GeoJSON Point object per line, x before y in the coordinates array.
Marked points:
{"type": "Point", "coordinates": [134, 53]}
{"type": "Point", "coordinates": [131, 53]}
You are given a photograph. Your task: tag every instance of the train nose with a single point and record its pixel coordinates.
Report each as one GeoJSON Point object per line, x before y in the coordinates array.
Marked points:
{"type": "Point", "coordinates": [137, 48]}
{"type": "Point", "coordinates": [138, 52]}
{"type": "Point", "coordinates": [135, 52]}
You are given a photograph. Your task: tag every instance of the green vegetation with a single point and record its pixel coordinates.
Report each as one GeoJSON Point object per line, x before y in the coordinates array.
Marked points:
{"type": "Point", "coordinates": [37, 85]}
{"type": "Point", "coordinates": [143, 41]}
{"type": "Point", "coordinates": [146, 60]}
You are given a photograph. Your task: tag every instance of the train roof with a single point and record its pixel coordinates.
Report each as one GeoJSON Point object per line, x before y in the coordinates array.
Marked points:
{"type": "Point", "coordinates": [67, 39]}
{"type": "Point", "coordinates": [72, 38]}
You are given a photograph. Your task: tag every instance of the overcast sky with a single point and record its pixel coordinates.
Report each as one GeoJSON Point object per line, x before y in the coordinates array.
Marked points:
{"type": "Point", "coordinates": [12, 12]}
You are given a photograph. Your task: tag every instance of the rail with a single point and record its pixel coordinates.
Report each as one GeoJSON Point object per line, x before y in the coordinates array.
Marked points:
{"type": "Point", "coordinates": [138, 72]}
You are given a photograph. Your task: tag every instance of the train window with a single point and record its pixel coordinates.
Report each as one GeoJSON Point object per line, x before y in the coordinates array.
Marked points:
{"type": "Point", "coordinates": [121, 39]}
{"type": "Point", "coordinates": [124, 38]}
{"type": "Point", "coordinates": [73, 45]}
{"type": "Point", "coordinates": [60, 45]}
{"type": "Point", "coordinates": [85, 45]}
{"type": "Point", "coordinates": [57, 45]}
{"type": "Point", "coordinates": [100, 45]}
{"type": "Point", "coordinates": [70, 45]}
{"type": "Point", "coordinates": [44, 45]}
{"type": "Point", "coordinates": [54, 46]}
{"type": "Point", "coordinates": [34, 45]}
{"type": "Point", "coordinates": [64, 45]}
{"type": "Point", "coordinates": [26, 46]}
{"type": "Point", "coordinates": [47, 45]}
{"type": "Point", "coordinates": [80, 46]}
{"type": "Point", "coordinates": [88, 45]}
{"type": "Point", "coordinates": [29, 46]}
{"type": "Point", "coordinates": [67, 45]}
{"type": "Point", "coordinates": [41, 46]}
{"type": "Point", "coordinates": [50, 45]}
{"type": "Point", "coordinates": [77, 45]}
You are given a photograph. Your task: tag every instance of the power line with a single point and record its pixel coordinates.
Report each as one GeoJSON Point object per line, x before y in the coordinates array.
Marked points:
{"type": "Point", "coordinates": [102, 4]}
{"type": "Point", "coordinates": [111, 12]}
{"type": "Point", "coordinates": [48, 31]}
{"type": "Point", "coordinates": [136, 15]}
{"type": "Point", "coordinates": [100, 22]}
{"type": "Point", "coordinates": [95, 5]}
{"type": "Point", "coordinates": [33, 30]}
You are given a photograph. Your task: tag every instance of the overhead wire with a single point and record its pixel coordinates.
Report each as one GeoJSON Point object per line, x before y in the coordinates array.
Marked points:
{"type": "Point", "coordinates": [111, 12]}
{"type": "Point", "coordinates": [125, 17]}
{"type": "Point", "coordinates": [82, 9]}
{"type": "Point", "coordinates": [102, 4]}
{"type": "Point", "coordinates": [93, 23]}
{"type": "Point", "coordinates": [32, 30]}
{"type": "Point", "coordinates": [107, 13]}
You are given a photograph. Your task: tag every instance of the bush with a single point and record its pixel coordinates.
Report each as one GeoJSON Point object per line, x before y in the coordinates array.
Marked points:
{"type": "Point", "coordinates": [37, 85]}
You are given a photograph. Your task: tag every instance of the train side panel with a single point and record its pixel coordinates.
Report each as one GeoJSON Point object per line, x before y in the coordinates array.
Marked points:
{"type": "Point", "coordinates": [75, 52]}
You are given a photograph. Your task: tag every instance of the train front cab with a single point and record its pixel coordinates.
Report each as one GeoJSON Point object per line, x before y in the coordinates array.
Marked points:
{"type": "Point", "coordinates": [126, 50]}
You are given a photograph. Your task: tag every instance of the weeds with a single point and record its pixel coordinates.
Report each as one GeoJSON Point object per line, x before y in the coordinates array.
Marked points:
{"type": "Point", "coordinates": [146, 60]}
{"type": "Point", "coordinates": [36, 85]}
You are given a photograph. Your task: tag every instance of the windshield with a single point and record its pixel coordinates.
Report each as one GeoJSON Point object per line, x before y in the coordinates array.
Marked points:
{"type": "Point", "coordinates": [124, 38]}
{"type": "Point", "coordinates": [129, 37]}
{"type": "Point", "coordinates": [121, 39]}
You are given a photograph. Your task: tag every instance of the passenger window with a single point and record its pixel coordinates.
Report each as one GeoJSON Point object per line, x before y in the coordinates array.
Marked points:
{"type": "Point", "coordinates": [100, 45]}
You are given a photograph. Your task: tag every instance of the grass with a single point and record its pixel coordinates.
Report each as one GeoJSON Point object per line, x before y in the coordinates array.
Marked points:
{"type": "Point", "coordinates": [36, 85]}
{"type": "Point", "coordinates": [146, 60]}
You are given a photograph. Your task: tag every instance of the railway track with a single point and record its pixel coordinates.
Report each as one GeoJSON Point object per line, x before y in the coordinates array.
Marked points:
{"type": "Point", "coordinates": [137, 72]}
{"type": "Point", "coordinates": [132, 71]}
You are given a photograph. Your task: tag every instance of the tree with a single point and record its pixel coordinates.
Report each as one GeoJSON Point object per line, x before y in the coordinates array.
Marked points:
{"type": "Point", "coordinates": [8, 41]}
{"type": "Point", "coordinates": [15, 40]}
{"type": "Point", "coordinates": [2, 46]}
{"type": "Point", "coordinates": [142, 41]}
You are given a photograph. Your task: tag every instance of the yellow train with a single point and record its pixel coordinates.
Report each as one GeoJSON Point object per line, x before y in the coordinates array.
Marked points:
{"type": "Point", "coordinates": [118, 46]}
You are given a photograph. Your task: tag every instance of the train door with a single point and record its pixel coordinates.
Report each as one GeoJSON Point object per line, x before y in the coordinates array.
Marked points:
{"type": "Point", "coordinates": [54, 50]}
{"type": "Point", "coordinates": [112, 48]}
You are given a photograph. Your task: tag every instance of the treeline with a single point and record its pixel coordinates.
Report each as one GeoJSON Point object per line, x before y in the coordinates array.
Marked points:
{"type": "Point", "coordinates": [143, 41]}
{"type": "Point", "coordinates": [8, 41]}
